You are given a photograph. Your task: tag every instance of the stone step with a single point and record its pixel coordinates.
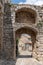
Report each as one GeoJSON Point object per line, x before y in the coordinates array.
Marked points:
{"type": "Point", "coordinates": [40, 35]}
{"type": "Point", "coordinates": [40, 49]}
{"type": "Point", "coordinates": [40, 53]}
{"type": "Point", "coordinates": [40, 45]}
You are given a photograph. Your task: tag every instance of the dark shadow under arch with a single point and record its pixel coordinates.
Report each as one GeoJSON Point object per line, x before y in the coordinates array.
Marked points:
{"type": "Point", "coordinates": [26, 15]}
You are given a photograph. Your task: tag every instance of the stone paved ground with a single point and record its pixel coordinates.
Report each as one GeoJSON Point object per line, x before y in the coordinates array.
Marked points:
{"type": "Point", "coordinates": [21, 61]}
{"type": "Point", "coordinates": [28, 61]}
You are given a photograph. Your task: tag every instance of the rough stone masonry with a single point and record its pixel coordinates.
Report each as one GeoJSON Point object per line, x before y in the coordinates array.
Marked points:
{"type": "Point", "coordinates": [16, 19]}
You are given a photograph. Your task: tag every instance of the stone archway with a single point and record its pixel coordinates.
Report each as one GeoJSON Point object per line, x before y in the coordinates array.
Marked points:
{"type": "Point", "coordinates": [22, 42]}
{"type": "Point", "coordinates": [25, 18]}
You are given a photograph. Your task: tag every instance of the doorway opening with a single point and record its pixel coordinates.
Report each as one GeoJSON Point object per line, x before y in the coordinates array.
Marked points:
{"type": "Point", "coordinates": [25, 39]}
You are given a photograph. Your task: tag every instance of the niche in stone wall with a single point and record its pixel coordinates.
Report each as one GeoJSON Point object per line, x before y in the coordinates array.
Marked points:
{"type": "Point", "coordinates": [25, 15]}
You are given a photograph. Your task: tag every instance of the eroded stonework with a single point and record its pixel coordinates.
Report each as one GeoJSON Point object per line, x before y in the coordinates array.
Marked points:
{"type": "Point", "coordinates": [16, 20]}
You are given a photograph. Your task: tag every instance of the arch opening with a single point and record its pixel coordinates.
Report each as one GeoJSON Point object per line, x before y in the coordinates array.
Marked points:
{"type": "Point", "coordinates": [25, 40]}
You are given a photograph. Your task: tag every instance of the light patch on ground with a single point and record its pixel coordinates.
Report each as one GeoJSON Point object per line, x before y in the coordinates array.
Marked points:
{"type": "Point", "coordinates": [28, 61]}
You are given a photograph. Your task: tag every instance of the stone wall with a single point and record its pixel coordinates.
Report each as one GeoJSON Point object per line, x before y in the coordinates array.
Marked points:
{"type": "Point", "coordinates": [8, 40]}
{"type": "Point", "coordinates": [9, 24]}
{"type": "Point", "coordinates": [1, 27]}
{"type": "Point", "coordinates": [18, 23]}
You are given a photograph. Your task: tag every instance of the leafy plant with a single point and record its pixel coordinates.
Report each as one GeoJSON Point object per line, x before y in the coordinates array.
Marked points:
{"type": "Point", "coordinates": [39, 25]}
{"type": "Point", "coordinates": [17, 41]}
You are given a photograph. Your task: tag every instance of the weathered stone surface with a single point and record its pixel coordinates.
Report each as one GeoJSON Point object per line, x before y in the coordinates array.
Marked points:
{"type": "Point", "coordinates": [8, 41]}
{"type": "Point", "coordinates": [7, 62]}
{"type": "Point", "coordinates": [26, 61]}
{"type": "Point", "coordinates": [16, 20]}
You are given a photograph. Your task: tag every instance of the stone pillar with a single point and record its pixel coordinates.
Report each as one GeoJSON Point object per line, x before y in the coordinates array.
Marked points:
{"type": "Point", "coordinates": [13, 23]}
{"type": "Point", "coordinates": [14, 47]}
{"type": "Point", "coordinates": [35, 54]}
{"type": "Point", "coordinates": [35, 50]}
{"type": "Point", "coordinates": [8, 40]}
{"type": "Point", "coordinates": [1, 28]}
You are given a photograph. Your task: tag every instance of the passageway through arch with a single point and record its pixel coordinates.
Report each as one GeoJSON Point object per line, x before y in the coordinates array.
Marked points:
{"type": "Point", "coordinates": [25, 40]}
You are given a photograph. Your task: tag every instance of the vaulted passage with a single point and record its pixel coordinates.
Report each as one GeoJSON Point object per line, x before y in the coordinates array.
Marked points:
{"type": "Point", "coordinates": [25, 15]}
{"type": "Point", "coordinates": [25, 40]}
